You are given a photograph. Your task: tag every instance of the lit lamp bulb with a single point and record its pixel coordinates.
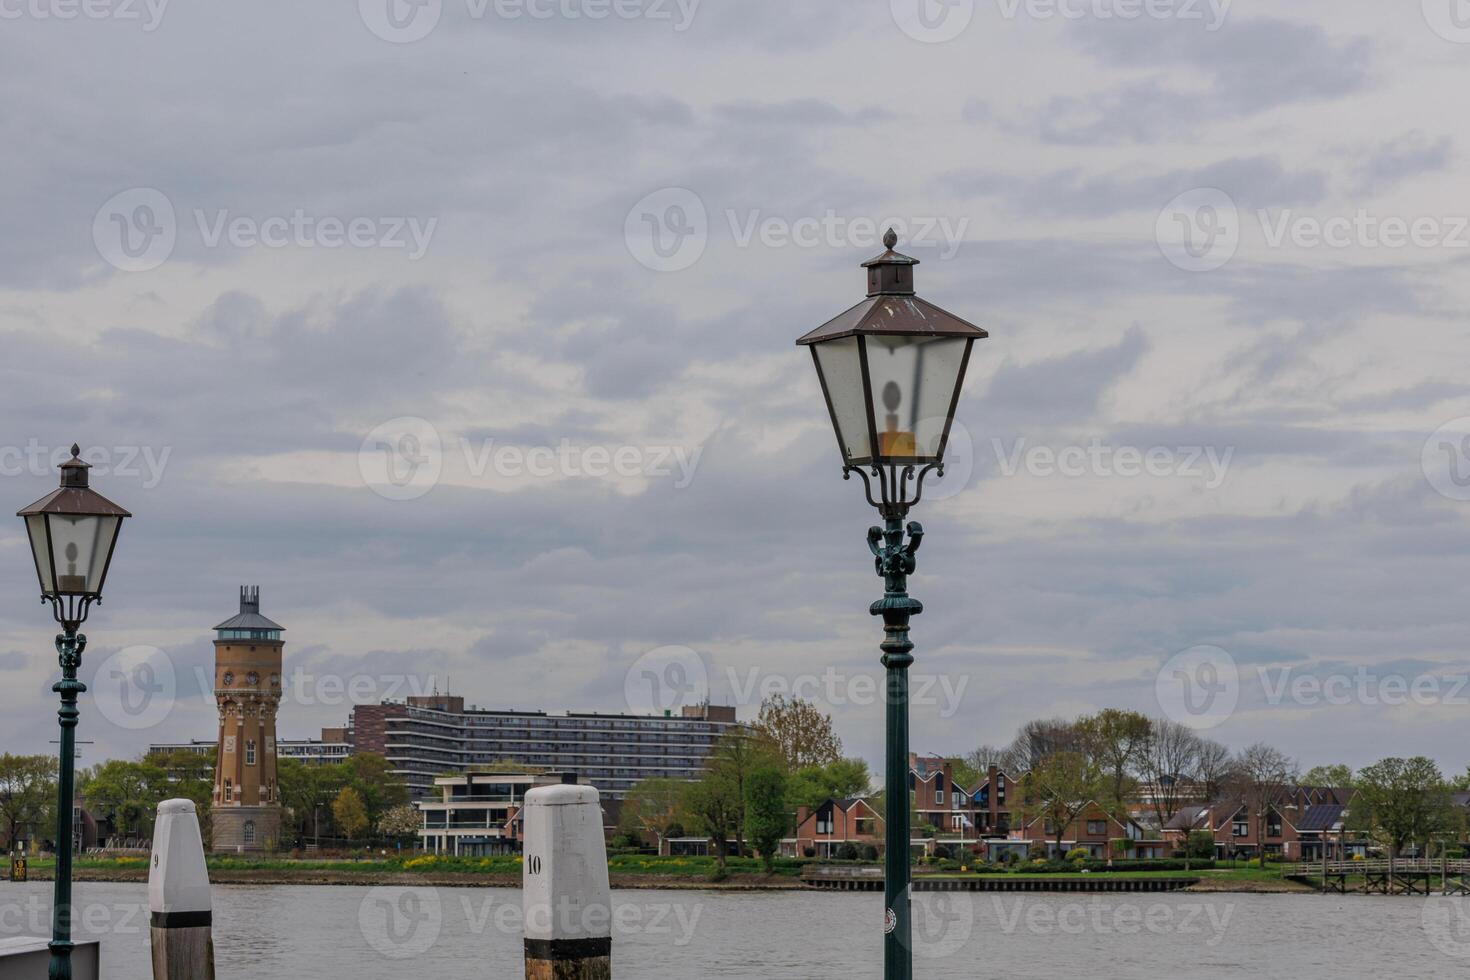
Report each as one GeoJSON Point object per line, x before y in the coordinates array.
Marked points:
{"type": "Point", "coordinates": [71, 581]}
{"type": "Point", "coordinates": [891, 441]}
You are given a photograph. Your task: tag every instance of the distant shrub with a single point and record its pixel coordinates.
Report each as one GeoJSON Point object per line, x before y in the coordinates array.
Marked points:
{"type": "Point", "coordinates": [1078, 854]}
{"type": "Point", "coordinates": [847, 852]}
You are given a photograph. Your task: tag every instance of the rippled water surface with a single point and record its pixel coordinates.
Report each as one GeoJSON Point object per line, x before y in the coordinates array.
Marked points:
{"type": "Point", "coordinates": [363, 933]}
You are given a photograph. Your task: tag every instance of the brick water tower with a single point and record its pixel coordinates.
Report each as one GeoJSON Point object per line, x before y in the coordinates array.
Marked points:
{"type": "Point", "coordinates": [246, 815]}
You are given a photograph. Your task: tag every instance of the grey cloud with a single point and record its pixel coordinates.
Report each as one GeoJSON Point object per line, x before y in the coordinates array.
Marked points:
{"type": "Point", "coordinates": [1246, 67]}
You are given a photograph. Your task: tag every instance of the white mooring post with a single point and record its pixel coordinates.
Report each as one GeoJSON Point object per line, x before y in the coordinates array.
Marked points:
{"type": "Point", "coordinates": [566, 901]}
{"type": "Point", "coordinates": [178, 896]}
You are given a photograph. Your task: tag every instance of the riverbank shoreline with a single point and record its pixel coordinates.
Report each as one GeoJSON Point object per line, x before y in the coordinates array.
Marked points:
{"type": "Point", "coordinates": [735, 882]}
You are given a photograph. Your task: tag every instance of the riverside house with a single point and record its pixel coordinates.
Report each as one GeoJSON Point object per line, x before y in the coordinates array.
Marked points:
{"type": "Point", "coordinates": [1306, 820]}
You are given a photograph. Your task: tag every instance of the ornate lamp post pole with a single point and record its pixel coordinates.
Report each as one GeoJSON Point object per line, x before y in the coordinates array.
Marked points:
{"type": "Point", "coordinates": [72, 531]}
{"type": "Point", "coordinates": [891, 369]}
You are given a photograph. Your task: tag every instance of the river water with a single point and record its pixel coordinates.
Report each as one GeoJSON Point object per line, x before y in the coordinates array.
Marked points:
{"type": "Point", "coordinates": [378, 933]}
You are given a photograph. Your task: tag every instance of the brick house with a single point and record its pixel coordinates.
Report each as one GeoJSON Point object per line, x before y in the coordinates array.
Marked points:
{"type": "Point", "coordinates": [961, 814]}
{"type": "Point", "coordinates": [1297, 828]}
{"type": "Point", "coordinates": [1095, 830]}
{"type": "Point", "coordinates": [836, 822]}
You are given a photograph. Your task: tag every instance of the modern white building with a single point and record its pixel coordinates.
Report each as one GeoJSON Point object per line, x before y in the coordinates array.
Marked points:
{"type": "Point", "coordinates": [477, 814]}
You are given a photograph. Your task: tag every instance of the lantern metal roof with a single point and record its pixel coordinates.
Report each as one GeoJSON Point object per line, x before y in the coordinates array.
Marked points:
{"type": "Point", "coordinates": [891, 307]}
{"type": "Point", "coordinates": [74, 496]}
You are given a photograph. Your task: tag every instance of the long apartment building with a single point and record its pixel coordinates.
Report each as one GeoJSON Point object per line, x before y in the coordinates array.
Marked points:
{"type": "Point", "coordinates": [425, 737]}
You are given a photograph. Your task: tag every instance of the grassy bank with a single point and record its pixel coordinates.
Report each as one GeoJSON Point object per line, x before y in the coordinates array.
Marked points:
{"type": "Point", "coordinates": [625, 870]}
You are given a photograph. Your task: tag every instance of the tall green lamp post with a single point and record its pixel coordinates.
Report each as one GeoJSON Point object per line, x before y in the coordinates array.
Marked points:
{"type": "Point", "coordinates": [72, 530]}
{"type": "Point", "coordinates": [891, 369]}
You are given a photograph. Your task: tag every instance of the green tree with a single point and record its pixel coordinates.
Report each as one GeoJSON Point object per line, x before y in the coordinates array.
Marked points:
{"type": "Point", "coordinates": [1059, 788]}
{"type": "Point", "coordinates": [126, 792]}
{"type": "Point", "coordinates": [811, 786]}
{"type": "Point", "coordinates": [1403, 801]}
{"type": "Point", "coordinates": [798, 732]}
{"type": "Point", "coordinates": [1118, 742]}
{"type": "Point", "coordinates": [651, 807]}
{"type": "Point", "coordinates": [27, 793]}
{"type": "Point", "coordinates": [1329, 777]}
{"type": "Point", "coordinates": [765, 812]}
{"type": "Point", "coordinates": [307, 791]}
{"type": "Point", "coordinates": [715, 803]}
{"type": "Point", "coordinates": [372, 776]}
{"type": "Point", "coordinates": [350, 813]}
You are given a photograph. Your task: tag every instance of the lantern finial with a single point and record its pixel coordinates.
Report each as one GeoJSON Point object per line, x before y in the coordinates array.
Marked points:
{"type": "Point", "coordinates": [890, 239]}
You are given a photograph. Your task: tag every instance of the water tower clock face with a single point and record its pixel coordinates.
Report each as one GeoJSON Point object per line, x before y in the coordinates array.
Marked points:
{"type": "Point", "coordinates": [229, 678]}
{"type": "Point", "coordinates": [252, 678]}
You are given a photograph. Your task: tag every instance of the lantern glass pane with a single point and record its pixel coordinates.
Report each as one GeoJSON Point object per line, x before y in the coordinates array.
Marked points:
{"type": "Point", "coordinates": [914, 381]}
{"type": "Point", "coordinates": [80, 546]}
{"type": "Point", "coordinates": [842, 378]}
{"type": "Point", "coordinates": [40, 550]}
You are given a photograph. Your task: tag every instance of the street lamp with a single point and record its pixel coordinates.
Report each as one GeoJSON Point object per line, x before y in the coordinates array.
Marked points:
{"type": "Point", "coordinates": [72, 530]}
{"type": "Point", "coordinates": [891, 369]}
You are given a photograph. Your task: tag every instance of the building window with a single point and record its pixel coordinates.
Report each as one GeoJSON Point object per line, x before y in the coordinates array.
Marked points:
{"type": "Point", "coordinates": [824, 825]}
{"type": "Point", "coordinates": [1096, 828]}
{"type": "Point", "coordinates": [249, 832]}
{"type": "Point", "coordinates": [1273, 825]}
{"type": "Point", "coordinates": [250, 751]}
{"type": "Point", "coordinates": [939, 797]}
{"type": "Point", "coordinates": [1240, 828]}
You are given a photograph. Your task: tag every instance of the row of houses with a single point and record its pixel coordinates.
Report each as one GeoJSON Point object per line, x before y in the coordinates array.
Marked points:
{"type": "Point", "coordinates": [984, 820]}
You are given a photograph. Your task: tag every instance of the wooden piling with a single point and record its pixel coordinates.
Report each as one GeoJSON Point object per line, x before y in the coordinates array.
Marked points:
{"type": "Point", "coordinates": [179, 898]}
{"type": "Point", "coordinates": [566, 901]}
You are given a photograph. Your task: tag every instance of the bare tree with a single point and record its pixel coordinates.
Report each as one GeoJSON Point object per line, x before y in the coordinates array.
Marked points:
{"type": "Point", "coordinates": [1040, 739]}
{"type": "Point", "coordinates": [1262, 776]}
{"type": "Point", "coordinates": [1170, 763]}
{"type": "Point", "coordinates": [1212, 766]}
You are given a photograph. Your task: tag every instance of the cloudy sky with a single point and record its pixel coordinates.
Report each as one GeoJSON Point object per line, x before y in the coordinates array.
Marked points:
{"type": "Point", "coordinates": [464, 329]}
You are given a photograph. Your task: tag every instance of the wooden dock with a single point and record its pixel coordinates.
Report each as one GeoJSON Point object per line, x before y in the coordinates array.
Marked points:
{"type": "Point", "coordinates": [870, 879]}
{"type": "Point", "coordinates": [1385, 877]}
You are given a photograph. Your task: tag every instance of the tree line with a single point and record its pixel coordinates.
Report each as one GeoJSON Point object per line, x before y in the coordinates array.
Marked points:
{"type": "Point", "coordinates": [754, 780]}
